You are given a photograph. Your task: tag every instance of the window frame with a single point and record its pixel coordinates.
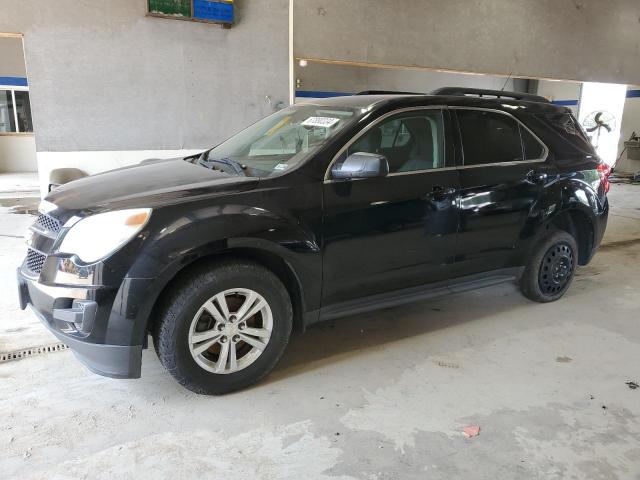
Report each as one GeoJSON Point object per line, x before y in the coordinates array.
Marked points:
{"type": "Point", "coordinates": [13, 89]}
{"type": "Point", "coordinates": [443, 109]}
{"type": "Point", "coordinates": [521, 125]}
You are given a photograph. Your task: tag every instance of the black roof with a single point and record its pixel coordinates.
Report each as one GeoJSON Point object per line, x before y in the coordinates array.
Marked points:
{"type": "Point", "coordinates": [355, 101]}
{"type": "Point", "coordinates": [449, 96]}
{"type": "Point", "coordinates": [482, 92]}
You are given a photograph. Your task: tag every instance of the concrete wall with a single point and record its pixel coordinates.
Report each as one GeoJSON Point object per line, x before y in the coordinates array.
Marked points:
{"type": "Point", "coordinates": [557, 90]}
{"type": "Point", "coordinates": [630, 124]}
{"type": "Point", "coordinates": [11, 58]}
{"type": "Point", "coordinates": [108, 81]}
{"type": "Point", "coordinates": [352, 79]}
{"type": "Point", "coordinates": [587, 40]}
{"type": "Point", "coordinates": [104, 77]}
{"type": "Point", "coordinates": [17, 153]}
{"type": "Point", "coordinates": [561, 92]}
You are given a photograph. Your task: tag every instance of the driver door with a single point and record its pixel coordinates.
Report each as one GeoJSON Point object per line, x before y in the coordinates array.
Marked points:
{"type": "Point", "coordinates": [395, 232]}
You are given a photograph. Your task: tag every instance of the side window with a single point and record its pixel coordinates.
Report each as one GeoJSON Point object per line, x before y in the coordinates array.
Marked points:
{"type": "Point", "coordinates": [533, 149]}
{"type": "Point", "coordinates": [489, 137]}
{"type": "Point", "coordinates": [410, 141]}
{"type": "Point", "coordinates": [403, 136]}
{"type": "Point", "coordinates": [389, 132]}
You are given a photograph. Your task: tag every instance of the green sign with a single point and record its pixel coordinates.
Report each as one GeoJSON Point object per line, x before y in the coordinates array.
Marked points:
{"type": "Point", "coordinates": [178, 8]}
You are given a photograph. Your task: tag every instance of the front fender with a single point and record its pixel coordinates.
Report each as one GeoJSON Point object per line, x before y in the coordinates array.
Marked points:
{"type": "Point", "coordinates": [174, 243]}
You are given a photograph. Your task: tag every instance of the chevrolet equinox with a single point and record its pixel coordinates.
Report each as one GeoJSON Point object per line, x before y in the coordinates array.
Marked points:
{"type": "Point", "coordinates": [322, 210]}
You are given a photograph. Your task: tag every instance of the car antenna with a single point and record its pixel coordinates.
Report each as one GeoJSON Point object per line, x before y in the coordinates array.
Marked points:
{"type": "Point", "coordinates": [506, 81]}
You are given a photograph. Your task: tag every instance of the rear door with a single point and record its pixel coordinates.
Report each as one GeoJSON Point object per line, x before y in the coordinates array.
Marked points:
{"type": "Point", "coordinates": [502, 177]}
{"type": "Point", "coordinates": [394, 232]}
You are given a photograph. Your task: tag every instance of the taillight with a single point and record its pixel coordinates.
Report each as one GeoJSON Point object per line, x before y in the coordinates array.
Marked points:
{"type": "Point", "coordinates": [604, 171]}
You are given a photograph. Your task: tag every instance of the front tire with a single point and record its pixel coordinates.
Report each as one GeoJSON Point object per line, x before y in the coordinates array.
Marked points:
{"type": "Point", "coordinates": [224, 327]}
{"type": "Point", "coordinates": [551, 268]}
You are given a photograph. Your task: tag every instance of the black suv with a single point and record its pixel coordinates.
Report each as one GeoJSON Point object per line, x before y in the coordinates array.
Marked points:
{"type": "Point", "coordinates": [321, 210]}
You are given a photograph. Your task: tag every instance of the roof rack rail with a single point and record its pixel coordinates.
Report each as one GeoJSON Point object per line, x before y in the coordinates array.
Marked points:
{"type": "Point", "coordinates": [387, 92]}
{"type": "Point", "coordinates": [481, 92]}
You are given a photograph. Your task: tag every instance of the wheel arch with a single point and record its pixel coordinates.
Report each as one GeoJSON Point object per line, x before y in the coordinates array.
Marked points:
{"type": "Point", "coordinates": [265, 257]}
{"type": "Point", "coordinates": [579, 225]}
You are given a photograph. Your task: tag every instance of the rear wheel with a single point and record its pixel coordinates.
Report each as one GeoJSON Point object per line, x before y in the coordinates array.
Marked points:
{"type": "Point", "coordinates": [551, 268]}
{"type": "Point", "coordinates": [224, 328]}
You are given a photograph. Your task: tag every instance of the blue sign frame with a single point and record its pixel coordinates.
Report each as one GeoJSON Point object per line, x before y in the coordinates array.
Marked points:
{"type": "Point", "coordinates": [209, 11]}
{"type": "Point", "coordinates": [213, 11]}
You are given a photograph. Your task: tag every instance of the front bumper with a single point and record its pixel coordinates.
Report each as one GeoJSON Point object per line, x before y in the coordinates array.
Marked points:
{"type": "Point", "coordinates": [73, 315]}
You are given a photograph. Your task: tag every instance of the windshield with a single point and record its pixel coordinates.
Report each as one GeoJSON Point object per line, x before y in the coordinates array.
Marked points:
{"type": "Point", "coordinates": [280, 141]}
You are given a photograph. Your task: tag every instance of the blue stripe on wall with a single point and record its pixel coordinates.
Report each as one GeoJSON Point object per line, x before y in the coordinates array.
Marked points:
{"type": "Point", "coordinates": [630, 94]}
{"type": "Point", "coordinates": [312, 94]}
{"type": "Point", "coordinates": [14, 81]}
{"type": "Point", "coordinates": [566, 103]}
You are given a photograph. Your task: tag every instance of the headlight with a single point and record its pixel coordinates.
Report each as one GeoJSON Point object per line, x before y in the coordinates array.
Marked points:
{"type": "Point", "coordinates": [95, 237]}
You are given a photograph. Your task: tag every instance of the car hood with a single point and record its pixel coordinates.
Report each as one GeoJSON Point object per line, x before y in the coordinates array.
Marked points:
{"type": "Point", "coordinates": [149, 184]}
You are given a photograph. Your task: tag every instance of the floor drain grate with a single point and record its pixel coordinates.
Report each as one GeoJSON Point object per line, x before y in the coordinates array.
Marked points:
{"type": "Point", "coordinates": [32, 351]}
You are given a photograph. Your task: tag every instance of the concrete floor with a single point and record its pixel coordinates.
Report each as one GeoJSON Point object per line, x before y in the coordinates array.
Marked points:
{"type": "Point", "coordinates": [19, 182]}
{"type": "Point", "coordinates": [18, 329]}
{"type": "Point", "coordinates": [379, 396]}
{"type": "Point", "coordinates": [19, 192]}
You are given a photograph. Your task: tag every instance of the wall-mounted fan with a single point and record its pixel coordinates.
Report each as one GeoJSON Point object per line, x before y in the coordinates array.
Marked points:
{"type": "Point", "coordinates": [597, 122]}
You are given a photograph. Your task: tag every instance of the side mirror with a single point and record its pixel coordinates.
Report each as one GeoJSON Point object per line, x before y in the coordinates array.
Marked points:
{"type": "Point", "coordinates": [361, 165]}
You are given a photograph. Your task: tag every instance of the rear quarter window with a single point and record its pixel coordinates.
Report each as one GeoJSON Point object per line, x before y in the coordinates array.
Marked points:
{"type": "Point", "coordinates": [566, 126]}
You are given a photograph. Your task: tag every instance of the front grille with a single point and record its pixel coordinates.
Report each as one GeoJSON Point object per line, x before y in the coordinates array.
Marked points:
{"type": "Point", "coordinates": [35, 260]}
{"type": "Point", "coordinates": [47, 223]}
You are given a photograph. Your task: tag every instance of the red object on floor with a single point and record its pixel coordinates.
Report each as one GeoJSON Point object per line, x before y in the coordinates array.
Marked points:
{"type": "Point", "coordinates": [604, 171]}
{"type": "Point", "coordinates": [471, 431]}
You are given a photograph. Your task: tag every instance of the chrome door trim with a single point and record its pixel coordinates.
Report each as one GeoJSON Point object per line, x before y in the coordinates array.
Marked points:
{"type": "Point", "coordinates": [501, 164]}
{"type": "Point", "coordinates": [427, 170]}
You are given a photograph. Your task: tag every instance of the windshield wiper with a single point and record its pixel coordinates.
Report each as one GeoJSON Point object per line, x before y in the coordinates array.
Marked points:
{"type": "Point", "coordinates": [236, 166]}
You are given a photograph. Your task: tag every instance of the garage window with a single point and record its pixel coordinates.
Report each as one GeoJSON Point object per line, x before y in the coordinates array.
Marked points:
{"type": "Point", "coordinates": [15, 112]}
{"type": "Point", "coordinates": [7, 115]}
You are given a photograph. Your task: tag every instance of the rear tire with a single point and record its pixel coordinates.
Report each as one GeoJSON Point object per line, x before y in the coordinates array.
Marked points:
{"type": "Point", "coordinates": [551, 268]}
{"type": "Point", "coordinates": [224, 327]}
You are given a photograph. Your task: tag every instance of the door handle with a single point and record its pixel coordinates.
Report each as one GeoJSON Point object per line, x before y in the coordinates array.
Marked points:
{"type": "Point", "coordinates": [537, 177]}
{"type": "Point", "coordinates": [440, 193]}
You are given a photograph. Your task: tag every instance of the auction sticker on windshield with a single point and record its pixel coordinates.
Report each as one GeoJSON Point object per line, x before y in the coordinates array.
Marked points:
{"type": "Point", "coordinates": [325, 122]}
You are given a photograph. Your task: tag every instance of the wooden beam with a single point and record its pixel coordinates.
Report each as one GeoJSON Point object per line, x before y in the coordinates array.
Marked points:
{"type": "Point", "coordinates": [10, 35]}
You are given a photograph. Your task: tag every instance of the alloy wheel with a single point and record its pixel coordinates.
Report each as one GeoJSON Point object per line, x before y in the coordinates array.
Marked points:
{"type": "Point", "coordinates": [230, 330]}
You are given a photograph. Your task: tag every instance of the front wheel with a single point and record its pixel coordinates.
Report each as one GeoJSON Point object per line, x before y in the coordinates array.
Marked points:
{"type": "Point", "coordinates": [551, 268]}
{"type": "Point", "coordinates": [224, 328]}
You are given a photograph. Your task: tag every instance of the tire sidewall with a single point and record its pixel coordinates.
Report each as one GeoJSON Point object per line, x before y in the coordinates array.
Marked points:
{"type": "Point", "coordinates": [535, 264]}
{"type": "Point", "coordinates": [204, 288]}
